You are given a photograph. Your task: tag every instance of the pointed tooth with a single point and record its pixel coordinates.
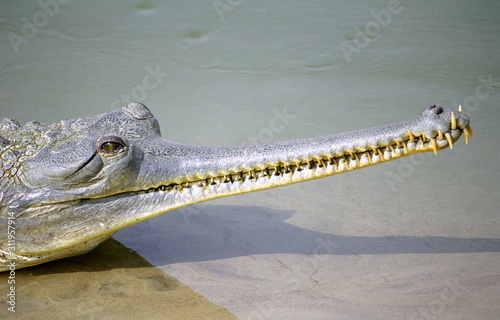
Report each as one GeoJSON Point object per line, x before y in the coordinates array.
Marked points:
{"type": "Point", "coordinates": [358, 163]}
{"type": "Point", "coordinates": [405, 147]}
{"type": "Point", "coordinates": [267, 172]}
{"type": "Point", "coordinates": [277, 171]}
{"type": "Point", "coordinates": [424, 137]}
{"type": "Point", "coordinates": [322, 162]}
{"type": "Point", "coordinates": [369, 157]}
{"type": "Point", "coordinates": [335, 164]}
{"type": "Point", "coordinates": [448, 137]}
{"type": "Point", "coordinates": [470, 131]}
{"type": "Point", "coordinates": [440, 135]}
{"type": "Point", "coordinates": [422, 145]}
{"type": "Point", "coordinates": [466, 136]}
{"type": "Point", "coordinates": [434, 145]}
{"type": "Point", "coordinates": [453, 121]}
{"type": "Point", "coordinates": [346, 162]}
{"type": "Point", "coordinates": [412, 137]}
{"type": "Point", "coordinates": [460, 107]}
{"type": "Point", "coordinates": [297, 164]}
{"type": "Point", "coordinates": [381, 154]}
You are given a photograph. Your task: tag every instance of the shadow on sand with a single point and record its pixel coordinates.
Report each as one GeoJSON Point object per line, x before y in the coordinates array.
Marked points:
{"type": "Point", "coordinates": [218, 232]}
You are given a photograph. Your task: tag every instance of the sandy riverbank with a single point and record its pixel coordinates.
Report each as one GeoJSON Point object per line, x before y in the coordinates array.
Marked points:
{"type": "Point", "coordinates": [111, 282]}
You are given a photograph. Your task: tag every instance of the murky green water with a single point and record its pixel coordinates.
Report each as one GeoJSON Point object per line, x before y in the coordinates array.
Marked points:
{"type": "Point", "coordinates": [218, 71]}
{"type": "Point", "coordinates": [220, 63]}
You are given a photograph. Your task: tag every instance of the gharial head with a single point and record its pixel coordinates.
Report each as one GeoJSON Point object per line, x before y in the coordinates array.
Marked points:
{"type": "Point", "coordinates": [90, 157]}
{"type": "Point", "coordinates": [67, 186]}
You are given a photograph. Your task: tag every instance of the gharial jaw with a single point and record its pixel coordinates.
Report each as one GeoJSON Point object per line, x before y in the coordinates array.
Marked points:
{"type": "Point", "coordinates": [226, 171]}
{"type": "Point", "coordinates": [283, 163]}
{"type": "Point", "coordinates": [162, 176]}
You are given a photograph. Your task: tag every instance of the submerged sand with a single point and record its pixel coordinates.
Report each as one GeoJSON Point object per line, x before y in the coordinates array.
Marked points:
{"type": "Point", "coordinates": [110, 282]}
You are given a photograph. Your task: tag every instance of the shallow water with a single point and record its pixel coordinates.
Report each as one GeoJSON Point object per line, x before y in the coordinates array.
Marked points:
{"type": "Point", "coordinates": [217, 72]}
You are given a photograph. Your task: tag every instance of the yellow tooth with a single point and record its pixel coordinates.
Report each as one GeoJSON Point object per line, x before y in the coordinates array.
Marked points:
{"type": "Point", "coordinates": [412, 137]}
{"type": "Point", "coordinates": [309, 164]}
{"type": "Point", "coordinates": [470, 131]}
{"type": "Point", "coordinates": [267, 173]}
{"type": "Point", "coordinates": [424, 137]}
{"type": "Point", "coordinates": [346, 162]}
{"type": "Point", "coordinates": [405, 147]}
{"type": "Point", "coordinates": [448, 137]}
{"type": "Point", "coordinates": [381, 154]}
{"type": "Point", "coordinates": [453, 121]}
{"type": "Point", "coordinates": [322, 162]}
{"type": "Point", "coordinates": [297, 164]}
{"type": "Point", "coordinates": [357, 159]}
{"type": "Point", "coordinates": [460, 107]}
{"type": "Point", "coordinates": [466, 136]}
{"type": "Point", "coordinates": [440, 135]}
{"type": "Point", "coordinates": [334, 162]}
{"type": "Point", "coordinates": [369, 157]}
{"type": "Point", "coordinates": [434, 145]}
{"type": "Point", "coordinates": [278, 171]}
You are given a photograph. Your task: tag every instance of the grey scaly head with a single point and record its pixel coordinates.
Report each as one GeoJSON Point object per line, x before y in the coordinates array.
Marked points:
{"type": "Point", "coordinates": [68, 186]}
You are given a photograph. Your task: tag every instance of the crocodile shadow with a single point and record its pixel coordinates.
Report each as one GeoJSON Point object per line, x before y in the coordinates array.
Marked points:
{"type": "Point", "coordinates": [214, 232]}
{"type": "Point", "coordinates": [224, 231]}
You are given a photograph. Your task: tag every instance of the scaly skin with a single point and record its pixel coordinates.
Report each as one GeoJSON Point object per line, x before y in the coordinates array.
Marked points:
{"type": "Point", "coordinates": [68, 186]}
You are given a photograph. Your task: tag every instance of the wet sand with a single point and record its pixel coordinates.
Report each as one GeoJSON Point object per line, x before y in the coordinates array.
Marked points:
{"type": "Point", "coordinates": [110, 282]}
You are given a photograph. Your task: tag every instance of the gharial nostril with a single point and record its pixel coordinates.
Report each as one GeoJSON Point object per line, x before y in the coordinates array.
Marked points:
{"type": "Point", "coordinates": [436, 109]}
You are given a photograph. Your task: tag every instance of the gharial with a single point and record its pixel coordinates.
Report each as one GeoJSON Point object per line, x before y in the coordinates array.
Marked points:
{"type": "Point", "coordinates": [68, 186]}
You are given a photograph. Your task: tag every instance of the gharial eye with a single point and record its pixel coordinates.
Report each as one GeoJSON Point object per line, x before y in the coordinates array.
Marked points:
{"type": "Point", "coordinates": [111, 146]}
